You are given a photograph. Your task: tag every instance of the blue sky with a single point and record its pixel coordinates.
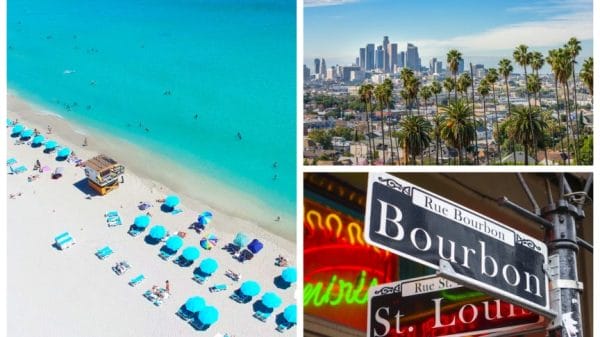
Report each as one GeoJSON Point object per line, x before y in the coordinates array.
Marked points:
{"type": "Point", "coordinates": [483, 31]}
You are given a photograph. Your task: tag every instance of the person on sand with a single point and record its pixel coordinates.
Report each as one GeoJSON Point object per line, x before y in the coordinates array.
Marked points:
{"type": "Point", "coordinates": [278, 218]}
{"type": "Point", "coordinates": [49, 129]}
{"type": "Point", "coordinates": [167, 286]}
{"type": "Point", "coordinates": [85, 141]}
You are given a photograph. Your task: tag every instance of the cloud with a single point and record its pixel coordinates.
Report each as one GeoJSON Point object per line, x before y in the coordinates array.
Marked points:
{"type": "Point", "coordinates": [552, 32]}
{"type": "Point", "coordinates": [553, 6]}
{"type": "Point", "coordinates": [321, 3]}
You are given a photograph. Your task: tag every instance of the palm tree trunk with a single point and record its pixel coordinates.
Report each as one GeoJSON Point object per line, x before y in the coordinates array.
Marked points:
{"type": "Point", "coordinates": [369, 149]}
{"type": "Point", "coordinates": [569, 124]}
{"type": "Point", "coordinates": [487, 153]}
{"type": "Point", "coordinates": [514, 150]}
{"type": "Point", "coordinates": [562, 143]}
{"type": "Point", "coordinates": [530, 120]}
{"type": "Point", "coordinates": [383, 135]}
{"type": "Point", "coordinates": [390, 136]}
{"type": "Point", "coordinates": [496, 117]}
{"type": "Point", "coordinates": [576, 116]}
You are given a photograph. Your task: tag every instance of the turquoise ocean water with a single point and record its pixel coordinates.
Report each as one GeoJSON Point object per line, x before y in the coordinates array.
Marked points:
{"type": "Point", "coordinates": [124, 66]}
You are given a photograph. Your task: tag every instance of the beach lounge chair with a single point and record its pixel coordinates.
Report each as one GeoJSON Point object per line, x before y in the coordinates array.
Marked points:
{"type": "Point", "coordinates": [121, 267]}
{"type": "Point", "coordinates": [11, 161]}
{"type": "Point", "coordinates": [184, 313]}
{"type": "Point", "coordinates": [262, 316]}
{"type": "Point", "coordinates": [217, 288]}
{"type": "Point", "coordinates": [111, 214]}
{"type": "Point", "coordinates": [19, 169]}
{"type": "Point", "coordinates": [64, 241]}
{"type": "Point", "coordinates": [104, 252]}
{"type": "Point", "coordinates": [165, 255]}
{"type": "Point", "coordinates": [200, 278]}
{"type": "Point", "coordinates": [134, 232]}
{"type": "Point", "coordinates": [284, 326]}
{"type": "Point", "coordinates": [196, 324]}
{"type": "Point", "coordinates": [159, 300]}
{"type": "Point", "coordinates": [232, 275]}
{"type": "Point", "coordinates": [137, 280]}
{"type": "Point", "coordinates": [176, 211]}
{"type": "Point", "coordinates": [115, 222]}
{"type": "Point", "coordinates": [240, 298]}
{"type": "Point", "coordinates": [150, 295]}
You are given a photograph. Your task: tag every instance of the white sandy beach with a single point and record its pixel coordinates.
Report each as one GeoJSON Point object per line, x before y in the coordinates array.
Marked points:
{"type": "Point", "coordinates": [73, 293]}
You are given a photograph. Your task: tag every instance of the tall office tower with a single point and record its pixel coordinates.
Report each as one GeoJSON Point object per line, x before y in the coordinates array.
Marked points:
{"type": "Point", "coordinates": [317, 67]}
{"type": "Point", "coordinates": [392, 55]}
{"type": "Point", "coordinates": [323, 67]}
{"type": "Point", "coordinates": [432, 64]}
{"type": "Point", "coordinates": [412, 57]}
{"type": "Point", "coordinates": [306, 73]}
{"type": "Point", "coordinates": [461, 66]}
{"type": "Point", "coordinates": [362, 54]}
{"type": "Point", "coordinates": [331, 74]}
{"type": "Point", "coordinates": [370, 62]}
{"type": "Point", "coordinates": [386, 55]}
{"type": "Point", "coordinates": [401, 59]}
{"type": "Point", "coordinates": [357, 61]}
{"type": "Point", "coordinates": [379, 58]}
{"type": "Point", "coordinates": [438, 67]}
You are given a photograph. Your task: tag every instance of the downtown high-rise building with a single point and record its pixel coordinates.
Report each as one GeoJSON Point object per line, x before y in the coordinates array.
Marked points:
{"type": "Point", "coordinates": [317, 66]}
{"type": "Point", "coordinates": [461, 66]}
{"type": "Point", "coordinates": [370, 57]}
{"type": "Point", "coordinates": [362, 55]}
{"type": "Point", "coordinates": [323, 68]}
{"type": "Point", "coordinates": [438, 67]}
{"type": "Point", "coordinates": [412, 58]}
{"type": "Point", "coordinates": [432, 65]}
{"type": "Point", "coordinates": [379, 58]}
{"type": "Point", "coordinates": [306, 73]}
{"type": "Point", "coordinates": [401, 59]}
{"type": "Point", "coordinates": [393, 56]}
{"type": "Point", "coordinates": [386, 54]}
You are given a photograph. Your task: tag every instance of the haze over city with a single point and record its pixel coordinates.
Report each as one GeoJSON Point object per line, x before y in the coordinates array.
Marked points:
{"type": "Point", "coordinates": [483, 31]}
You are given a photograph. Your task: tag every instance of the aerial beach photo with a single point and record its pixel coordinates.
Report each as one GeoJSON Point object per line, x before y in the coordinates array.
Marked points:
{"type": "Point", "coordinates": [438, 83]}
{"type": "Point", "coordinates": [149, 168]}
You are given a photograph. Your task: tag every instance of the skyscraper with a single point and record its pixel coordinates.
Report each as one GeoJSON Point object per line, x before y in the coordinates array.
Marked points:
{"type": "Point", "coordinates": [461, 66]}
{"type": "Point", "coordinates": [363, 56]}
{"type": "Point", "coordinates": [438, 67]}
{"type": "Point", "coordinates": [323, 67]}
{"type": "Point", "coordinates": [370, 62]}
{"type": "Point", "coordinates": [386, 55]}
{"type": "Point", "coordinates": [432, 65]}
{"type": "Point", "coordinates": [306, 73]}
{"type": "Point", "coordinates": [379, 58]}
{"type": "Point", "coordinates": [317, 66]}
{"type": "Point", "coordinates": [412, 57]}
{"type": "Point", "coordinates": [401, 59]}
{"type": "Point", "coordinates": [393, 56]}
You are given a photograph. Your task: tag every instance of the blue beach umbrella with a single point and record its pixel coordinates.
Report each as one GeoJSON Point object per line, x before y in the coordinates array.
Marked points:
{"type": "Point", "coordinates": [209, 265]}
{"type": "Point", "coordinates": [255, 246]}
{"type": "Point", "coordinates": [51, 145]}
{"type": "Point", "coordinates": [205, 218]}
{"type": "Point", "coordinates": [190, 253]}
{"type": "Point", "coordinates": [250, 288]}
{"type": "Point", "coordinates": [241, 240]}
{"type": "Point", "coordinates": [64, 152]}
{"type": "Point", "coordinates": [290, 313]}
{"type": "Point", "coordinates": [174, 243]}
{"type": "Point", "coordinates": [37, 140]}
{"type": "Point", "coordinates": [208, 315]}
{"type": "Point", "coordinates": [17, 129]}
{"type": "Point", "coordinates": [141, 221]}
{"type": "Point", "coordinates": [172, 201]}
{"type": "Point", "coordinates": [289, 275]}
{"type": "Point", "coordinates": [26, 134]}
{"type": "Point", "coordinates": [271, 300]}
{"type": "Point", "coordinates": [195, 304]}
{"type": "Point", "coordinates": [158, 232]}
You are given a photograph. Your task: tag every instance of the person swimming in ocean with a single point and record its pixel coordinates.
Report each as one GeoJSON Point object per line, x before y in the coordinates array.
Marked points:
{"type": "Point", "coordinates": [275, 164]}
{"type": "Point", "coordinates": [196, 116]}
{"type": "Point", "coordinates": [239, 136]}
{"type": "Point", "coordinates": [147, 130]}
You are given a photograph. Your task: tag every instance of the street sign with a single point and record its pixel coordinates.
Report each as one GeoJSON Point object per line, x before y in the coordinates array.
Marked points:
{"type": "Point", "coordinates": [432, 306]}
{"type": "Point", "coordinates": [461, 244]}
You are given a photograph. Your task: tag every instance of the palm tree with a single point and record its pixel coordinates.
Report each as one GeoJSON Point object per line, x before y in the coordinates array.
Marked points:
{"type": "Point", "coordinates": [484, 90]}
{"type": "Point", "coordinates": [426, 94]}
{"type": "Point", "coordinates": [565, 64]}
{"type": "Point", "coordinates": [587, 74]}
{"type": "Point", "coordinates": [463, 84]}
{"type": "Point", "coordinates": [523, 58]}
{"type": "Point", "coordinates": [453, 59]}
{"type": "Point", "coordinates": [380, 97]}
{"type": "Point", "coordinates": [524, 125]}
{"type": "Point", "coordinates": [537, 62]}
{"type": "Point", "coordinates": [457, 128]}
{"type": "Point", "coordinates": [389, 88]}
{"type": "Point", "coordinates": [436, 89]}
{"type": "Point", "coordinates": [412, 88]}
{"type": "Point", "coordinates": [555, 63]}
{"type": "Point", "coordinates": [366, 96]}
{"type": "Point", "coordinates": [506, 69]}
{"type": "Point", "coordinates": [449, 84]}
{"type": "Point", "coordinates": [534, 85]}
{"type": "Point", "coordinates": [438, 121]}
{"type": "Point", "coordinates": [414, 136]}
{"type": "Point", "coordinates": [492, 77]}
{"type": "Point", "coordinates": [573, 47]}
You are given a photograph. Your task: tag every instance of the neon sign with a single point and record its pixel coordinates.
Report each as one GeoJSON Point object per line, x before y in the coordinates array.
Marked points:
{"type": "Point", "coordinates": [338, 291]}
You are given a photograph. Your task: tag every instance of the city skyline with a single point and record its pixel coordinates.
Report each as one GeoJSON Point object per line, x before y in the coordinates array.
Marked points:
{"type": "Point", "coordinates": [332, 30]}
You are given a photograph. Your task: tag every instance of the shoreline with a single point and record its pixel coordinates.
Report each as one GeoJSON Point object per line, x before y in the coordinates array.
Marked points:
{"type": "Point", "coordinates": [160, 174]}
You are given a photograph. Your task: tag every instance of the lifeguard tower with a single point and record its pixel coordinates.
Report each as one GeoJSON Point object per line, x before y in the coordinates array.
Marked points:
{"type": "Point", "coordinates": [103, 173]}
